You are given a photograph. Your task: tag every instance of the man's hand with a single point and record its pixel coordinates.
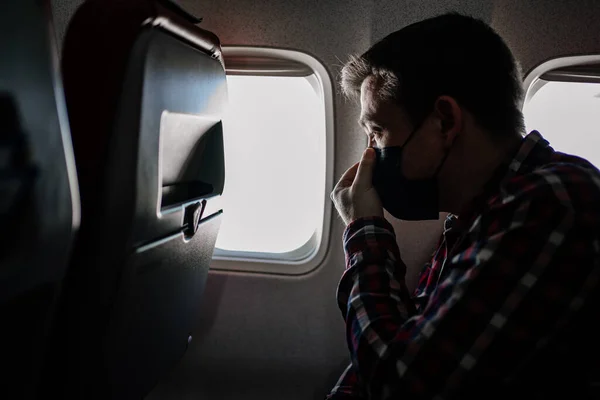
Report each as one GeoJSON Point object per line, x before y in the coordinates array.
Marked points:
{"type": "Point", "coordinates": [354, 196]}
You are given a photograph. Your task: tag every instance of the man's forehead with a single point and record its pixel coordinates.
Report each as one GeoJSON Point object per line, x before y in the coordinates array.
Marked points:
{"type": "Point", "coordinates": [370, 102]}
{"type": "Point", "coordinates": [369, 88]}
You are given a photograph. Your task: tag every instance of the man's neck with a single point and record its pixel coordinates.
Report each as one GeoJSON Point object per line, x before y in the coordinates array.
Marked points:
{"type": "Point", "coordinates": [473, 169]}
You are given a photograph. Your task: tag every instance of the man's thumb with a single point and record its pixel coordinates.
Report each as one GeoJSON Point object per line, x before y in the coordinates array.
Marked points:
{"type": "Point", "coordinates": [364, 176]}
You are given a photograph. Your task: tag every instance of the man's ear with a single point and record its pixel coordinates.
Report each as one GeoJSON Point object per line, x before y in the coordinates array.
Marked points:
{"type": "Point", "coordinates": [451, 118]}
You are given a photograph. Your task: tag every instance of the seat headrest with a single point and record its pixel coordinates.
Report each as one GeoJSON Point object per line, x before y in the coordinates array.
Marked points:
{"type": "Point", "coordinates": [96, 52]}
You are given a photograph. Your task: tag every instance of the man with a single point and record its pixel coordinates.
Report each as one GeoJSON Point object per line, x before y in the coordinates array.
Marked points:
{"type": "Point", "coordinates": [507, 306]}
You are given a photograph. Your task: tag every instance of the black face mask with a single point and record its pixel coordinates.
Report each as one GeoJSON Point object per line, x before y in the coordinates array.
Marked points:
{"type": "Point", "coordinates": [407, 199]}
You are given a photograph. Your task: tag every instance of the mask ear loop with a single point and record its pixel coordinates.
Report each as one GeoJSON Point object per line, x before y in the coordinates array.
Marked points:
{"type": "Point", "coordinates": [439, 168]}
{"type": "Point", "coordinates": [412, 134]}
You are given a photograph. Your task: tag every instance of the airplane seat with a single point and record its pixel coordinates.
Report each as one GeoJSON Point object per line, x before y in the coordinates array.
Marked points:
{"type": "Point", "coordinates": [145, 89]}
{"type": "Point", "coordinates": [39, 201]}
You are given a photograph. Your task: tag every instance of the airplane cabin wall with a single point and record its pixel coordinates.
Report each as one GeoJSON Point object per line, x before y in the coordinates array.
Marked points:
{"type": "Point", "coordinates": [539, 30]}
{"type": "Point", "coordinates": [262, 337]}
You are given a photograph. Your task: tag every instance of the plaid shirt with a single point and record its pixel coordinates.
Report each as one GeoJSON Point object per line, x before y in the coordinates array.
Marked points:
{"type": "Point", "coordinates": [507, 304]}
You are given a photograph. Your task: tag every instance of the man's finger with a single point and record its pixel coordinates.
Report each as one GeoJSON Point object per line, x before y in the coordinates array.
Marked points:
{"type": "Point", "coordinates": [348, 177]}
{"type": "Point", "coordinates": [364, 175]}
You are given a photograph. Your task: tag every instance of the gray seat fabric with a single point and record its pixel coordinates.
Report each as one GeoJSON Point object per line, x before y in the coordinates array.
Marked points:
{"type": "Point", "coordinates": [39, 206]}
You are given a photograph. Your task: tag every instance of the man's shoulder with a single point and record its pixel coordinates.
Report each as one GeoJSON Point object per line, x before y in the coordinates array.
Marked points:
{"type": "Point", "coordinates": [567, 182]}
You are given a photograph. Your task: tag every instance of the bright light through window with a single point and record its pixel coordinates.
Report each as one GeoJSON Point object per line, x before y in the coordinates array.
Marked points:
{"type": "Point", "coordinates": [568, 116]}
{"type": "Point", "coordinates": [274, 136]}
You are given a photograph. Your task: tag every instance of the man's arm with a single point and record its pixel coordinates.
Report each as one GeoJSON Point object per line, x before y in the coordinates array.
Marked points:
{"type": "Point", "coordinates": [347, 387]}
{"type": "Point", "coordinates": [502, 295]}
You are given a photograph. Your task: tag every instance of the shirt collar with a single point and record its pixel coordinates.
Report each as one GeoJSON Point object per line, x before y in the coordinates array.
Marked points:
{"type": "Point", "coordinates": [534, 150]}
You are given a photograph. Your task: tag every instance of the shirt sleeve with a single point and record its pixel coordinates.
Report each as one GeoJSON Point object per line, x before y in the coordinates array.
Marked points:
{"type": "Point", "coordinates": [347, 387]}
{"type": "Point", "coordinates": [501, 298]}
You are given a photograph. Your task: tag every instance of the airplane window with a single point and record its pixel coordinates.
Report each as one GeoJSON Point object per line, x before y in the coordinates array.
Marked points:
{"type": "Point", "coordinates": [567, 114]}
{"type": "Point", "coordinates": [275, 153]}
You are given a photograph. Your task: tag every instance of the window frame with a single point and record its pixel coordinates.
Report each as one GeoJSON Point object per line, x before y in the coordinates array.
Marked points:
{"type": "Point", "coordinates": [559, 69]}
{"type": "Point", "coordinates": [309, 256]}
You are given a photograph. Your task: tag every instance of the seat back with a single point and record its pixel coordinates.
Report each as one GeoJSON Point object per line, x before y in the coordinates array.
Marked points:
{"type": "Point", "coordinates": [145, 90]}
{"type": "Point", "coordinates": [39, 206]}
